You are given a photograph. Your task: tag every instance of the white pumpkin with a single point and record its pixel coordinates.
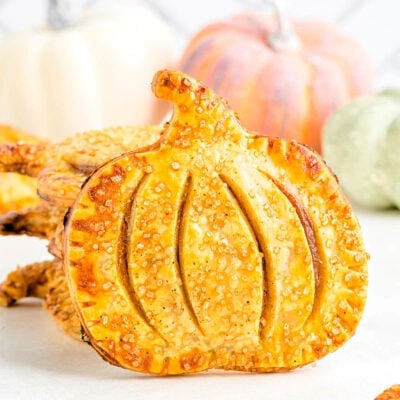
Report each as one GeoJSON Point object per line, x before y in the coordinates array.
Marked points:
{"type": "Point", "coordinates": [91, 75]}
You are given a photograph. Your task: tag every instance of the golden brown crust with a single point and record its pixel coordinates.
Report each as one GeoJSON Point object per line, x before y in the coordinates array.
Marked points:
{"type": "Point", "coordinates": [62, 169]}
{"type": "Point", "coordinates": [44, 280]}
{"type": "Point", "coordinates": [60, 306]}
{"type": "Point", "coordinates": [392, 393]}
{"type": "Point", "coordinates": [40, 221]}
{"type": "Point", "coordinates": [17, 192]}
{"type": "Point", "coordinates": [23, 158]}
{"type": "Point", "coordinates": [73, 160]}
{"type": "Point", "coordinates": [29, 281]}
{"type": "Point", "coordinates": [214, 248]}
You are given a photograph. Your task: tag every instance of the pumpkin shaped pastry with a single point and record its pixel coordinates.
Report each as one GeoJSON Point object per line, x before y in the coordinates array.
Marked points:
{"type": "Point", "coordinates": [214, 248]}
{"type": "Point", "coordinates": [211, 248]}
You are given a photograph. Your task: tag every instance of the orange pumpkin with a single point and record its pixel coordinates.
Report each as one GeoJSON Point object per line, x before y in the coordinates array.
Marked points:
{"type": "Point", "coordinates": [282, 80]}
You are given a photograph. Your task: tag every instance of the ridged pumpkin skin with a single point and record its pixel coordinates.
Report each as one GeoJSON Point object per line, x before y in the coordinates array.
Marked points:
{"type": "Point", "coordinates": [214, 248]}
{"type": "Point", "coordinates": [288, 94]}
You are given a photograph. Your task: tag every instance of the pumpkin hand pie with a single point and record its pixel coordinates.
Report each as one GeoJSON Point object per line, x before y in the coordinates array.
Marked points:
{"type": "Point", "coordinates": [212, 248]}
{"type": "Point", "coordinates": [57, 171]}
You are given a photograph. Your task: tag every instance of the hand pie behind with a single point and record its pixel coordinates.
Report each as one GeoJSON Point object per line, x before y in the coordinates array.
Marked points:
{"type": "Point", "coordinates": [16, 191]}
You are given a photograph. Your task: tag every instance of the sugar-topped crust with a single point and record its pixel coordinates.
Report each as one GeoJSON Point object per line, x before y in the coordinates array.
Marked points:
{"type": "Point", "coordinates": [214, 248]}
{"type": "Point", "coordinates": [392, 393]}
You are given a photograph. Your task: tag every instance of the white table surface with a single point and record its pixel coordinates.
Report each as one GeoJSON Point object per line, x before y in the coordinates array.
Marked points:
{"type": "Point", "coordinates": [38, 361]}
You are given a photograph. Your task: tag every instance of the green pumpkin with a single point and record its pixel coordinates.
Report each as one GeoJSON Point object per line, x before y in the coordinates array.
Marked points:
{"type": "Point", "coordinates": [361, 143]}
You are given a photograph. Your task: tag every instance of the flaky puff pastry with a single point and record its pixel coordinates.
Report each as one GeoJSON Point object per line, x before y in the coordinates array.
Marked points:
{"type": "Point", "coordinates": [17, 191]}
{"type": "Point", "coordinates": [58, 171]}
{"type": "Point", "coordinates": [214, 248]}
{"type": "Point", "coordinates": [392, 393]}
{"type": "Point", "coordinates": [44, 280]}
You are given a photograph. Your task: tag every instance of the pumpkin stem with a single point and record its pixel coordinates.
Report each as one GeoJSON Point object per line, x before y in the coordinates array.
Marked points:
{"type": "Point", "coordinates": [63, 14]}
{"type": "Point", "coordinates": [195, 107]}
{"type": "Point", "coordinates": [284, 39]}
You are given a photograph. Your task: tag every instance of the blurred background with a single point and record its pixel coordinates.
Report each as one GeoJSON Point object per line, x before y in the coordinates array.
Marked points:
{"type": "Point", "coordinates": [374, 23]}
{"type": "Point", "coordinates": [48, 86]}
